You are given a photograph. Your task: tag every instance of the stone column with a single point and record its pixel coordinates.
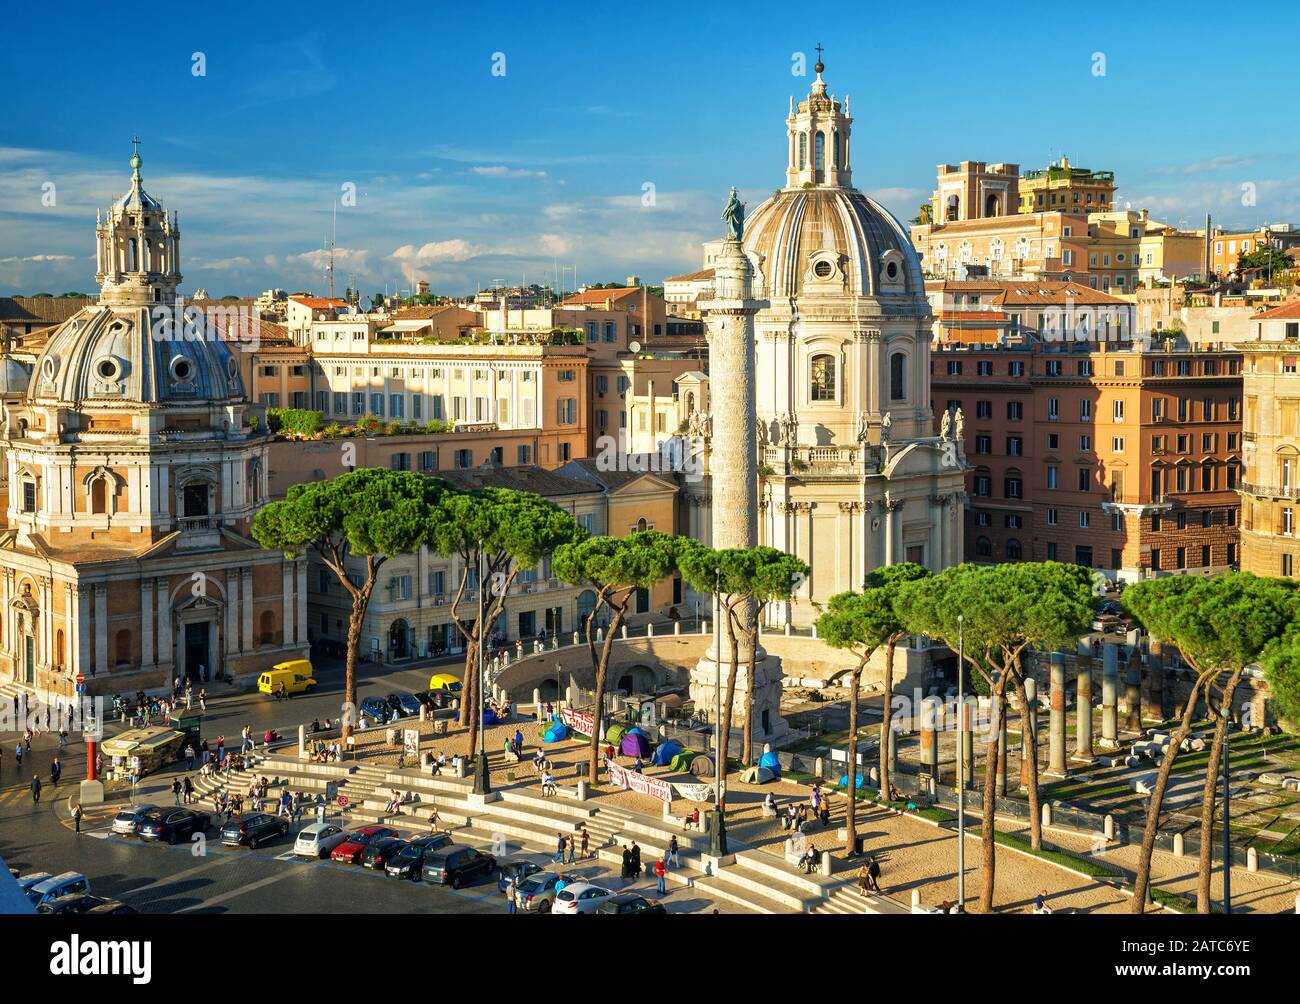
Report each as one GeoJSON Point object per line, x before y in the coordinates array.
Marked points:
{"type": "Point", "coordinates": [146, 623]}
{"type": "Point", "coordinates": [230, 634]}
{"type": "Point", "coordinates": [1109, 693]}
{"type": "Point", "coordinates": [1153, 694]}
{"type": "Point", "coordinates": [300, 636]}
{"type": "Point", "coordinates": [83, 629]}
{"type": "Point", "coordinates": [1056, 723]}
{"type": "Point", "coordinates": [163, 594]}
{"type": "Point", "coordinates": [246, 609]}
{"type": "Point", "coordinates": [286, 601]}
{"type": "Point", "coordinates": [965, 720]}
{"type": "Point", "coordinates": [1133, 691]}
{"type": "Point", "coordinates": [1028, 729]}
{"type": "Point", "coordinates": [1083, 713]}
{"type": "Point", "coordinates": [930, 712]}
{"type": "Point", "coordinates": [103, 658]}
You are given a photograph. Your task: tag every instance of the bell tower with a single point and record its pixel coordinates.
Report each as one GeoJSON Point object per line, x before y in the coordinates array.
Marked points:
{"type": "Point", "coordinates": [137, 247]}
{"type": "Point", "coordinates": [818, 129]}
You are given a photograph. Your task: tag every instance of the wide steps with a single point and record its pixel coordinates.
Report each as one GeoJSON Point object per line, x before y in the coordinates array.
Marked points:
{"type": "Point", "coordinates": [775, 870]}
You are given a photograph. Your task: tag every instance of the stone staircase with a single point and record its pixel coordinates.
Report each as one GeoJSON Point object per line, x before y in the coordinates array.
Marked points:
{"type": "Point", "coordinates": [848, 899]}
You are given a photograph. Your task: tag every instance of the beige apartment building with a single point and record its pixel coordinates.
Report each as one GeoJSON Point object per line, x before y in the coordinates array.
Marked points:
{"type": "Point", "coordinates": [1270, 491]}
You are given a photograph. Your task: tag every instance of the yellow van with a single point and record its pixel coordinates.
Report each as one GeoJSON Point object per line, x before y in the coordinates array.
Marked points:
{"type": "Point", "coordinates": [444, 681]}
{"type": "Point", "coordinates": [295, 675]}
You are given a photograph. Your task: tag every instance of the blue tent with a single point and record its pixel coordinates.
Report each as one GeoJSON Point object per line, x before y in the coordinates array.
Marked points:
{"type": "Point", "coordinates": [556, 733]}
{"type": "Point", "coordinates": [490, 717]}
{"type": "Point", "coordinates": [639, 731]}
{"type": "Point", "coordinates": [770, 761]}
{"type": "Point", "coordinates": [665, 753]}
{"type": "Point", "coordinates": [844, 781]}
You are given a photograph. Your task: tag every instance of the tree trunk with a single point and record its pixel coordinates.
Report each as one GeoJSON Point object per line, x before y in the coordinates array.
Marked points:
{"type": "Point", "coordinates": [471, 691]}
{"type": "Point", "coordinates": [988, 845]}
{"type": "Point", "coordinates": [1210, 795]}
{"type": "Point", "coordinates": [355, 620]}
{"type": "Point", "coordinates": [724, 725]}
{"type": "Point", "coordinates": [850, 787]}
{"type": "Point", "coordinates": [886, 725]}
{"type": "Point", "coordinates": [1030, 758]}
{"type": "Point", "coordinates": [619, 609]}
{"type": "Point", "coordinates": [1143, 877]}
{"type": "Point", "coordinates": [748, 758]}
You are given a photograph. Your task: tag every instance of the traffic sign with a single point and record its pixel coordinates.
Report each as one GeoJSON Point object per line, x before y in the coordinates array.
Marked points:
{"type": "Point", "coordinates": [81, 688]}
{"type": "Point", "coordinates": [81, 677]}
{"type": "Point", "coordinates": [343, 801]}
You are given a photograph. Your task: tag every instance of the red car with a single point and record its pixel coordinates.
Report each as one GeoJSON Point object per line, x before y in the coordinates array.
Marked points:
{"type": "Point", "coordinates": [350, 851]}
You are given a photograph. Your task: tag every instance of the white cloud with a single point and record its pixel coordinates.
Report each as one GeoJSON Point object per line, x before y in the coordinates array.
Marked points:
{"type": "Point", "coordinates": [501, 171]}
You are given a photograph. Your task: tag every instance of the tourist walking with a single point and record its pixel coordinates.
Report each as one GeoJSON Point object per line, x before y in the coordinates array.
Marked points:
{"type": "Point", "coordinates": [672, 852]}
{"type": "Point", "coordinates": [636, 861]}
{"type": "Point", "coordinates": [873, 873]}
{"type": "Point", "coordinates": [76, 816]}
{"type": "Point", "coordinates": [560, 842]}
{"type": "Point", "coordinates": [189, 756]}
{"type": "Point", "coordinates": [56, 771]}
{"type": "Point", "coordinates": [573, 848]}
{"type": "Point", "coordinates": [36, 789]}
{"type": "Point", "coordinates": [586, 842]}
{"type": "Point", "coordinates": [187, 791]}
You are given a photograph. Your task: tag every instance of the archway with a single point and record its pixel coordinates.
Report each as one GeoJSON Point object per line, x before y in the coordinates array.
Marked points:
{"type": "Point", "coordinates": [266, 628]}
{"type": "Point", "coordinates": [399, 640]}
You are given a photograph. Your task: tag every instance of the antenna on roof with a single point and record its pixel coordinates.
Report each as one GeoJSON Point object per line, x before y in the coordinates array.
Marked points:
{"type": "Point", "coordinates": [329, 271]}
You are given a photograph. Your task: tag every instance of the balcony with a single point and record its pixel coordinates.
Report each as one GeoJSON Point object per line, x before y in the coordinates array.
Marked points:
{"type": "Point", "coordinates": [1271, 491]}
{"type": "Point", "coordinates": [198, 533]}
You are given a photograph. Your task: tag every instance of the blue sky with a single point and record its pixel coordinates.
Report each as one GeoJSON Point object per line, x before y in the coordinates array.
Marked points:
{"type": "Point", "coordinates": [464, 177]}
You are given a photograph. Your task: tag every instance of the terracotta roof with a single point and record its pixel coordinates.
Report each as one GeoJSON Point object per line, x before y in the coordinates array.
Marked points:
{"type": "Point", "coordinates": [525, 479]}
{"type": "Point", "coordinates": [702, 274]}
{"type": "Point", "coordinates": [601, 295]}
{"type": "Point", "coordinates": [1286, 312]}
{"type": "Point", "coordinates": [587, 469]}
{"type": "Point", "coordinates": [318, 302]}
{"type": "Point", "coordinates": [41, 309]}
{"type": "Point", "coordinates": [269, 333]}
{"type": "Point", "coordinates": [1010, 292]}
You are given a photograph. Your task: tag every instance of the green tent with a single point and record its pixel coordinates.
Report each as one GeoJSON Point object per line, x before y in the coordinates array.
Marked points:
{"type": "Point", "coordinates": [614, 735]}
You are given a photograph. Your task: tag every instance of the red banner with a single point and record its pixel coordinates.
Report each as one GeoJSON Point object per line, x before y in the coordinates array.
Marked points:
{"type": "Point", "coordinates": [640, 783]}
{"type": "Point", "coordinates": [578, 721]}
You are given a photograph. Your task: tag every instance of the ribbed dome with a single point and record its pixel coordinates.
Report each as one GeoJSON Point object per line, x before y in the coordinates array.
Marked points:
{"type": "Point", "coordinates": [830, 240]}
{"type": "Point", "coordinates": [121, 353]}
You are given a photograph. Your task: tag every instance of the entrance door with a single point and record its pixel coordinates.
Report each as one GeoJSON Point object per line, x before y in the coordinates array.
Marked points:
{"type": "Point", "coordinates": [196, 650]}
{"type": "Point", "coordinates": [29, 660]}
{"type": "Point", "coordinates": [642, 601]}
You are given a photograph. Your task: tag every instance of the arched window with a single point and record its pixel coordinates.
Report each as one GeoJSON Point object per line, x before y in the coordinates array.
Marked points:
{"type": "Point", "coordinates": [993, 206]}
{"type": "Point", "coordinates": [122, 648]}
{"type": "Point", "coordinates": [642, 525]}
{"type": "Point", "coordinates": [819, 152]}
{"type": "Point", "coordinates": [898, 377]}
{"type": "Point", "coordinates": [952, 209]}
{"type": "Point", "coordinates": [131, 256]}
{"type": "Point", "coordinates": [835, 149]}
{"type": "Point", "coordinates": [253, 481]}
{"type": "Point", "coordinates": [99, 496]}
{"type": "Point", "coordinates": [823, 378]}
{"type": "Point", "coordinates": [803, 150]}
{"type": "Point", "coordinates": [983, 547]}
{"type": "Point", "coordinates": [1014, 551]}
{"type": "Point", "coordinates": [59, 648]}
{"type": "Point", "coordinates": [266, 628]}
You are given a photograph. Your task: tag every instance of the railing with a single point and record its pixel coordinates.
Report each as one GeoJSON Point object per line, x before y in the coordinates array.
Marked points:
{"type": "Point", "coordinates": [189, 524]}
{"type": "Point", "coordinates": [1271, 491]}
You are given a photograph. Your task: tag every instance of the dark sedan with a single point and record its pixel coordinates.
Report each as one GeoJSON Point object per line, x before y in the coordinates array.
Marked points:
{"type": "Point", "coordinates": [74, 902]}
{"type": "Point", "coordinates": [435, 698]}
{"type": "Point", "coordinates": [408, 704]}
{"type": "Point", "coordinates": [408, 863]}
{"type": "Point", "coordinates": [376, 708]}
{"type": "Point", "coordinates": [520, 869]}
{"type": "Point", "coordinates": [173, 824]}
{"type": "Point", "coordinates": [380, 852]}
{"type": "Point", "coordinates": [253, 829]}
{"type": "Point", "coordinates": [630, 902]}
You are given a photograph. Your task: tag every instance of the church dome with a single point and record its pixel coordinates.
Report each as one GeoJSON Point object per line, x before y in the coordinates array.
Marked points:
{"type": "Point", "coordinates": [135, 354]}
{"type": "Point", "coordinates": [830, 240]}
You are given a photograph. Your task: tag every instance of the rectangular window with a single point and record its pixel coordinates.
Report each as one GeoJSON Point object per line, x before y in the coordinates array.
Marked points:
{"type": "Point", "coordinates": [417, 406]}
{"type": "Point", "coordinates": [1015, 446]}
{"type": "Point", "coordinates": [435, 407]}
{"type": "Point", "coordinates": [359, 402]}
{"type": "Point", "coordinates": [400, 461]}
{"type": "Point", "coordinates": [1051, 550]}
{"type": "Point", "coordinates": [983, 409]}
{"type": "Point", "coordinates": [1085, 444]}
{"type": "Point", "coordinates": [438, 583]}
{"type": "Point", "coordinates": [395, 404]}
{"type": "Point", "coordinates": [954, 367]}
{"type": "Point", "coordinates": [1015, 411]}
{"type": "Point", "coordinates": [1053, 475]}
{"type": "Point", "coordinates": [1116, 558]}
{"type": "Point", "coordinates": [1155, 559]}
{"type": "Point", "coordinates": [1052, 516]}
{"type": "Point", "coordinates": [1053, 409]}
{"type": "Point", "coordinates": [401, 587]}
{"type": "Point", "coordinates": [1085, 479]}
{"type": "Point", "coordinates": [983, 444]}
{"type": "Point", "coordinates": [983, 485]}
{"type": "Point", "coordinates": [984, 367]}
{"type": "Point", "coordinates": [428, 460]}
{"type": "Point", "coordinates": [1085, 519]}
{"type": "Point", "coordinates": [1011, 488]}
{"type": "Point", "coordinates": [1117, 444]}
{"type": "Point", "coordinates": [377, 404]}
{"type": "Point", "coordinates": [1205, 555]}
{"type": "Point", "coordinates": [1181, 557]}
{"type": "Point", "coordinates": [340, 403]}
{"type": "Point", "coordinates": [1053, 440]}
{"type": "Point", "coordinates": [1117, 410]}
{"type": "Point", "coordinates": [611, 331]}
{"type": "Point", "coordinates": [525, 455]}
{"type": "Point", "coordinates": [1016, 368]}
{"type": "Point", "coordinates": [566, 410]}
{"type": "Point", "coordinates": [464, 459]}
{"type": "Point", "coordinates": [1085, 410]}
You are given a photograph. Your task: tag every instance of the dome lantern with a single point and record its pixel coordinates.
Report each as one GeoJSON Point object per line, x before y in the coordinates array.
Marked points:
{"type": "Point", "coordinates": [818, 130]}
{"type": "Point", "coordinates": [137, 248]}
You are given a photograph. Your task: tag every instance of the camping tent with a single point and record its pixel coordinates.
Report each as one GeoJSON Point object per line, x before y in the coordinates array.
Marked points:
{"type": "Point", "coordinates": [770, 762]}
{"type": "Point", "coordinates": [490, 717]}
{"type": "Point", "coordinates": [757, 775]}
{"type": "Point", "coordinates": [634, 744]}
{"type": "Point", "coordinates": [639, 731]}
{"type": "Point", "coordinates": [556, 733]}
{"type": "Point", "coordinates": [682, 761]}
{"type": "Point", "coordinates": [702, 766]}
{"type": "Point", "coordinates": [666, 753]}
{"type": "Point", "coordinates": [844, 781]}
{"type": "Point", "coordinates": [614, 734]}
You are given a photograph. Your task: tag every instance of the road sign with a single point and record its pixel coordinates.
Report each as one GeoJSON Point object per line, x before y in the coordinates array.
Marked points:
{"type": "Point", "coordinates": [81, 677]}
{"type": "Point", "coordinates": [81, 688]}
{"type": "Point", "coordinates": [343, 801]}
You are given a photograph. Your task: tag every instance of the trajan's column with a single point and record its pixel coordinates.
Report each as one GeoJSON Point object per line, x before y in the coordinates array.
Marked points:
{"type": "Point", "coordinates": [733, 472]}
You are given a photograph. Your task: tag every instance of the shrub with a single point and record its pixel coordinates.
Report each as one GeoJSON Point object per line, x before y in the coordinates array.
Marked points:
{"type": "Point", "coordinates": [298, 421]}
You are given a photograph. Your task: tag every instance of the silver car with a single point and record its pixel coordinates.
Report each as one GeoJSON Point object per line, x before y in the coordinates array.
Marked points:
{"type": "Point", "coordinates": [127, 822]}
{"type": "Point", "coordinates": [580, 897]}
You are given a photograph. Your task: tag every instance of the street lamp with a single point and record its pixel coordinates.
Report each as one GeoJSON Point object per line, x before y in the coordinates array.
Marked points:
{"type": "Point", "coordinates": [482, 779]}
{"type": "Point", "coordinates": [961, 766]}
{"type": "Point", "coordinates": [1227, 833]}
{"type": "Point", "coordinates": [717, 828]}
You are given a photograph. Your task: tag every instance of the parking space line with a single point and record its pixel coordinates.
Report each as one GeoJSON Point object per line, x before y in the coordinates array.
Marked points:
{"type": "Point", "coordinates": [206, 866]}
{"type": "Point", "coordinates": [241, 891]}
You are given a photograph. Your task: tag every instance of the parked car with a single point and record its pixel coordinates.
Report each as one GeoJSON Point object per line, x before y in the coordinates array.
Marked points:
{"type": "Point", "coordinates": [379, 853]}
{"type": "Point", "coordinates": [127, 822]}
{"type": "Point", "coordinates": [112, 906]}
{"type": "Point", "coordinates": [537, 892]}
{"type": "Point", "coordinates": [172, 824]}
{"type": "Point", "coordinates": [318, 839]}
{"type": "Point", "coordinates": [375, 707]}
{"type": "Point", "coordinates": [520, 869]}
{"type": "Point", "coordinates": [437, 698]}
{"type": "Point", "coordinates": [408, 863]}
{"type": "Point", "coordinates": [350, 851]}
{"type": "Point", "coordinates": [580, 897]}
{"type": "Point", "coordinates": [26, 883]}
{"type": "Point", "coordinates": [253, 828]}
{"type": "Point", "coordinates": [74, 902]}
{"type": "Point", "coordinates": [60, 885]}
{"type": "Point", "coordinates": [455, 866]}
{"type": "Point", "coordinates": [630, 902]}
{"type": "Point", "coordinates": [408, 704]}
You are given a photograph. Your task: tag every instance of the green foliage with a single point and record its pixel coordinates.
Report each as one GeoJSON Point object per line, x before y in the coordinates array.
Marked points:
{"type": "Point", "coordinates": [638, 561]}
{"type": "Point", "coordinates": [371, 511]}
{"type": "Point", "coordinates": [1220, 623]}
{"type": "Point", "coordinates": [760, 573]}
{"type": "Point", "coordinates": [299, 421]}
{"type": "Point", "coordinates": [1005, 608]}
{"type": "Point", "coordinates": [859, 622]}
{"type": "Point", "coordinates": [1282, 671]}
{"type": "Point", "coordinates": [512, 526]}
{"type": "Point", "coordinates": [1268, 259]}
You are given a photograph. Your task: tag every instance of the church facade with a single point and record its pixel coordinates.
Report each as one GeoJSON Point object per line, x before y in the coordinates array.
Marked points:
{"type": "Point", "coordinates": [851, 475]}
{"type": "Point", "coordinates": [131, 477]}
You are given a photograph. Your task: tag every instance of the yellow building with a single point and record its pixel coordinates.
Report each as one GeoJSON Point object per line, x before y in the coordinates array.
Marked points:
{"type": "Point", "coordinates": [1059, 187]}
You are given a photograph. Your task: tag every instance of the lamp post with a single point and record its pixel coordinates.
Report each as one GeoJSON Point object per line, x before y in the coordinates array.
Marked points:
{"type": "Point", "coordinates": [1227, 833]}
{"type": "Point", "coordinates": [717, 829]}
{"type": "Point", "coordinates": [482, 779]}
{"type": "Point", "coordinates": [961, 766]}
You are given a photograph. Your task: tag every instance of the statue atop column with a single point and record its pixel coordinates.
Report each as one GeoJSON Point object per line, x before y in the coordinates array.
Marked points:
{"type": "Point", "coordinates": [959, 425]}
{"type": "Point", "coordinates": [760, 430]}
{"type": "Point", "coordinates": [945, 426]}
{"type": "Point", "coordinates": [886, 424]}
{"type": "Point", "coordinates": [864, 428]}
{"type": "Point", "coordinates": [733, 214]}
